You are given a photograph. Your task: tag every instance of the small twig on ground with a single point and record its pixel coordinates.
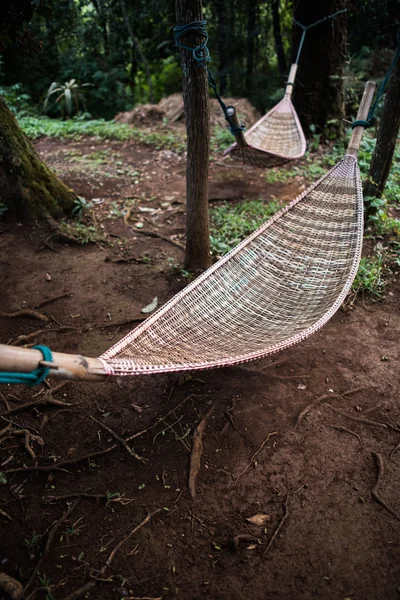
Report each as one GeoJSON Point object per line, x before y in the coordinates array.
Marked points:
{"type": "Point", "coordinates": [47, 399]}
{"type": "Point", "coordinates": [49, 542]}
{"type": "Point", "coordinates": [197, 451]}
{"type": "Point", "coordinates": [26, 312]}
{"type": "Point", "coordinates": [53, 299]}
{"type": "Point", "coordinates": [120, 440]}
{"type": "Point", "coordinates": [158, 235]}
{"type": "Point", "coordinates": [361, 419]}
{"type": "Point", "coordinates": [128, 259]}
{"type": "Point", "coordinates": [253, 457]}
{"type": "Point", "coordinates": [277, 530]}
{"type": "Point", "coordinates": [322, 398]}
{"type": "Point", "coordinates": [375, 490]}
{"type": "Point", "coordinates": [96, 497]}
{"type": "Point", "coordinates": [124, 540]}
{"type": "Point", "coordinates": [11, 586]}
{"type": "Point", "coordinates": [122, 323]}
{"type": "Point", "coordinates": [394, 451]}
{"type": "Point", "coordinates": [63, 463]}
{"type": "Point", "coordinates": [23, 339]}
{"type": "Point", "coordinates": [80, 591]}
{"type": "Point", "coordinates": [339, 428]}
{"type": "Point", "coordinates": [6, 403]}
{"type": "Point", "coordinates": [6, 516]}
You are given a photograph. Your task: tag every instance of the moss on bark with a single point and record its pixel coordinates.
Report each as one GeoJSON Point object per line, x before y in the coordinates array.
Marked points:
{"type": "Point", "coordinates": [27, 187]}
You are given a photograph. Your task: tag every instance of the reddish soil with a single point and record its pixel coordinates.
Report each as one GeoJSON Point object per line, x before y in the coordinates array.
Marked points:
{"type": "Point", "coordinates": [333, 539]}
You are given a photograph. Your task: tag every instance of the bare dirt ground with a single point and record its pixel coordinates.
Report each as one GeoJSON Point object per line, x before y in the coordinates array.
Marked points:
{"type": "Point", "coordinates": [307, 442]}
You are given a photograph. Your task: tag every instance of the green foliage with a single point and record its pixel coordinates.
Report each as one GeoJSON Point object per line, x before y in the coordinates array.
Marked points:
{"type": "Point", "coordinates": [221, 139]}
{"type": "Point", "coordinates": [69, 97]}
{"type": "Point", "coordinates": [372, 276]}
{"type": "Point", "coordinates": [232, 223]}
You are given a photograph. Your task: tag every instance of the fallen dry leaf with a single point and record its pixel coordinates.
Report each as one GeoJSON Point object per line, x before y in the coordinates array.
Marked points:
{"type": "Point", "coordinates": [259, 519]}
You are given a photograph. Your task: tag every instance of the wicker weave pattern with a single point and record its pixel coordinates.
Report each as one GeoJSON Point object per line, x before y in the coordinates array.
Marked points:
{"type": "Point", "coordinates": [277, 287]}
{"type": "Point", "coordinates": [274, 140]}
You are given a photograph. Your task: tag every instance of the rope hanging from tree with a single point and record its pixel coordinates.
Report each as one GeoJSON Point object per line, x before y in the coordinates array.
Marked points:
{"type": "Point", "coordinates": [201, 55]}
{"type": "Point", "coordinates": [305, 28]}
{"type": "Point", "coordinates": [34, 377]}
{"type": "Point", "coordinates": [370, 119]}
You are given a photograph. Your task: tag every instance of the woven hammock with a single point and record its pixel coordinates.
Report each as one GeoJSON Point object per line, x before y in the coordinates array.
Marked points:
{"type": "Point", "coordinates": [276, 138]}
{"type": "Point", "coordinates": [280, 285]}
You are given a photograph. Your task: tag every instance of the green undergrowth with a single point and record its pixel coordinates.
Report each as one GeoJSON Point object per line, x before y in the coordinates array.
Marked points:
{"type": "Point", "coordinates": [40, 126]}
{"type": "Point", "coordinates": [230, 224]}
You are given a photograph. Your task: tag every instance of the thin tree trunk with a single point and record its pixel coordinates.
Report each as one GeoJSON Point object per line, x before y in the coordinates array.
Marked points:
{"type": "Point", "coordinates": [103, 23]}
{"type": "Point", "coordinates": [386, 141]}
{"type": "Point", "coordinates": [221, 45]}
{"type": "Point", "coordinates": [276, 26]}
{"type": "Point", "coordinates": [251, 32]}
{"type": "Point", "coordinates": [318, 94]}
{"type": "Point", "coordinates": [138, 49]}
{"type": "Point", "coordinates": [27, 187]}
{"type": "Point", "coordinates": [195, 97]}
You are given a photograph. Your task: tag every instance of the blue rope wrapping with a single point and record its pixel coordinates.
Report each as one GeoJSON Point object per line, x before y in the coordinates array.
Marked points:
{"type": "Point", "coordinates": [201, 55]}
{"type": "Point", "coordinates": [36, 376]}
{"type": "Point", "coordinates": [370, 118]}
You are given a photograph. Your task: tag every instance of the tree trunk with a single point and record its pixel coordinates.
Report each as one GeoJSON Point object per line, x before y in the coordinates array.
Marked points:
{"type": "Point", "coordinates": [27, 187]}
{"type": "Point", "coordinates": [139, 51]}
{"type": "Point", "coordinates": [251, 34]}
{"type": "Point", "coordinates": [318, 94]}
{"type": "Point", "coordinates": [195, 97]}
{"type": "Point", "coordinates": [276, 25]}
{"type": "Point", "coordinates": [221, 45]}
{"type": "Point", "coordinates": [386, 141]}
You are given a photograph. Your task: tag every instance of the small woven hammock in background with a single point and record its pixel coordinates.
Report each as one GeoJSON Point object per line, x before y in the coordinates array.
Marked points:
{"type": "Point", "coordinates": [277, 137]}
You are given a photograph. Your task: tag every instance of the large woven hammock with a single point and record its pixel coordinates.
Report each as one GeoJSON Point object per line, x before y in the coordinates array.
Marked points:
{"type": "Point", "coordinates": [280, 285]}
{"type": "Point", "coordinates": [276, 138]}
{"type": "Point", "coordinates": [277, 287]}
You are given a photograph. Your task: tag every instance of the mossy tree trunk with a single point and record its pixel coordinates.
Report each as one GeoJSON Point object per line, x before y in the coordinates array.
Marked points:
{"type": "Point", "coordinates": [195, 97]}
{"type": "Point", "coordinates": [386, 142]}
{"type": "Point", "coordinates": [27, 187]}
{"type": "Point", "coordinates": [318, 94]}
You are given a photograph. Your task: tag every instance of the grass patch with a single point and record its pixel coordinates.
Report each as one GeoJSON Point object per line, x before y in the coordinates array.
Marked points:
{"type": "Point", "coordinates": [35, 127]}
{"type": "Point", "coordinates": [230, 224]}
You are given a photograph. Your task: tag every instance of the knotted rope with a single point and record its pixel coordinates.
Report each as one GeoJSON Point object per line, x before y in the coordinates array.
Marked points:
{"type": "Point", "coordinates": [201, 55]}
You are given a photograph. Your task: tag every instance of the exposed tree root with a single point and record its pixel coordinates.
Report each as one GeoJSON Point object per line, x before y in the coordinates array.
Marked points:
{"type": "Point", "coordinates": [197, 451]}
{"type": "Point", "coordinates": [112, 554]}
{"type": "Point", "coordinates": [253, 457]}
{"type": "Point", "coordinates": [54, 299]}
{"type": "Point", "coordinates": [277, 530]}
{"type": "Point", "coordinates": [362, 420]}
{"type": "Point", "coordinates": [47, 399]}
{"type": "Point", "coordinates": [375, 491]}
{"type": "Point", "coordinates": [322, 398]}
{"type": "Point", "coordinates": [158, 235]}
{"type": "Point", "coordinates": [339, 428]}
{"type": "Point", "coordinates": [23, 339]}
{"type": "Point", "coordinates": [26, 312]}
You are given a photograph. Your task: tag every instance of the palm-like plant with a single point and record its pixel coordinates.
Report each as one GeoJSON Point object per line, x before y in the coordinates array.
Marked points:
{"type": "Point", "coordinates": [69, 96]}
